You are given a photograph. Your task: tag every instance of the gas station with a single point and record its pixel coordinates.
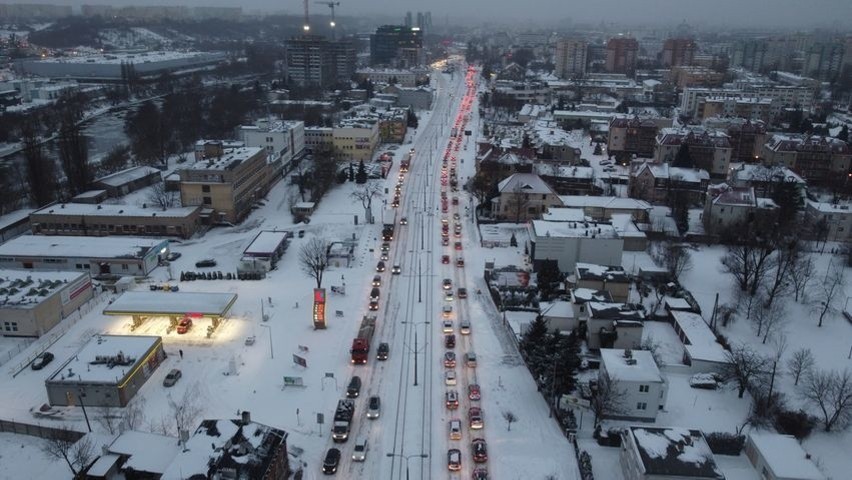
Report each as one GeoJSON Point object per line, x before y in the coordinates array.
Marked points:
{"type": "Point", "coordinates": [176, 306]}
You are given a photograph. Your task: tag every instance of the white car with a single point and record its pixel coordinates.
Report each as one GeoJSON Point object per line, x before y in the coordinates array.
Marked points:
{"type": "Point", "coordinates": [464, 327]}
{"type": "Point", "coordinates": [450, 377]}
{"type": "Point", "coordinates": [447, 326]}
{"type": "Point", "coordinates": [455, 430]}
{"type": "Point", "coordinates": [396, 270]}
{"type": "Point", "coordinates": [359, 453]}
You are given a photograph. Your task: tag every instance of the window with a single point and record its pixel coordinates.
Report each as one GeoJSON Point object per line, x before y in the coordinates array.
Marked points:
{"type": "Point", "coordinates": [205, 188]}
{"type": "Point", "coordinates": [641, 406]}
{"type": "Point", "coordinates": [644, 388]}
{"type": "Point", "coordinates": [124, 266]}
{"type": "Point", "coordinates": [10, 326]}
{"type": "Point", "coordinates": [207, 201]}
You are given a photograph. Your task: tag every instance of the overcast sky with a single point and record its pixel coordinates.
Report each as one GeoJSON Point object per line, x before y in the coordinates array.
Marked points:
{"type": "Point", "coordinates": [759, 13]}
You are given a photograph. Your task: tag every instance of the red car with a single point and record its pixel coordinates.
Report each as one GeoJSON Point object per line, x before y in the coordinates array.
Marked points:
{"type": "Point", "coordinates": [184, 325]}
{"type": "Point", "coordinates": [473, 392]}
{"type": "Point", "coordinates": [458, 245]}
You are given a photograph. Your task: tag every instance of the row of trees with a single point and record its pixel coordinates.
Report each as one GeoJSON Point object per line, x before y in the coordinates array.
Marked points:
{"type": "Point", "coordinates": [553, 358]}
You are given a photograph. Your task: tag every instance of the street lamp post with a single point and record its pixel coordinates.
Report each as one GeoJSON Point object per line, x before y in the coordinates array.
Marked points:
{"type": "Point", "coordinates": [407, 458]}
{"type": "Point", "coordinates": [80, 396]}
{"type": "Point", "coordinates": [271, 353]}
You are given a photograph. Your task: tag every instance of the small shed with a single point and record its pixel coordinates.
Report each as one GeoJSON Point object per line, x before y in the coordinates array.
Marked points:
{"type": "Point", "coordinates": [780, 457]}
{"type": "Point", "coordinates": [303, 208]}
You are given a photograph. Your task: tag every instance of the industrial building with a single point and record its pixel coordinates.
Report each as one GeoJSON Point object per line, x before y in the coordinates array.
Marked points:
{"type": "Point", "coordinates": [100, 220]}
{"type": "Point", "coordinates": [263, 252]}
{"type": "Point", "coordinates": [113, 67]}
{"type": "Point", "coordinates": [107, 371]}
{"type": "Point", "coordinates": [97, 256]}
{"type": "Point", "coordinates": [31, 303]}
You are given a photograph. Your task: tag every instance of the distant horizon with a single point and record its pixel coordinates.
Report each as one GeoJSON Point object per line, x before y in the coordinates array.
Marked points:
{"type": "Point", "coordinates": [739, 14]}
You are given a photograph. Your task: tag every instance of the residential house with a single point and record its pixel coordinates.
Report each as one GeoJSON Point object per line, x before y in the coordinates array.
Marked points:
{"type": "Point", "coordinates": [613, 325]}
{"type": "Point", "coordinates": [505, 165]}
{"type": "Point", "coordinates": [603, 208]}
{"type": "Point", "coordinates": [572, 242]}
{"type": "Point", "coordinates": [568, 179]}
{"type": "Point", "coordinates": [657, 183]}
{"type": "Point", "coordinates": [656, 453]}
{"type": "Point", "coordinates": [780, 457]}
{"type": "Point", "coordinates": [726, 207]}
{"type": "Point", "coordinates": [580, 298]}
{"type": "Point", "coordinates": [829, 221]}
{"type": "Point", "coordinates": [819, 160]}
{"type": "Point", "coordinates": [635, 373]}
{"type": "Point", "coordinates": [553, 143]}
{"type": "Point", "coordinates": [747, 138]}
{"type": "Point", "coordinates": [764, 178]}
{"type": "Point", "coordinates": [133, 454]}
{"type": "Point", "coordinates": [633, 136]}
{"type": "Point", "coordinates": [523, 197]}
{"type": "Point", "coordinates": [708, 149]}
{"type": "Point", "coordinates": [612, 279]}
{"type": "Point", "coordinates": [559, 316]}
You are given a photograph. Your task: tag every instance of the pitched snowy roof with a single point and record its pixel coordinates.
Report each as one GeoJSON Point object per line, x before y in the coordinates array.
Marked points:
{"type": "Point", "coordinates": [583, 201]}
{"type": "Point", "coordinates": [700, 341]}
{"type": "Point", "coordinates": [592, 271]}
{"type": "Point", "coordinates": [126, 176]}
{"type": "Point", "coordinates": [557, 309]}
{"type": "Point", "coordinates": [621, 368]}
{"type": "Point", "coordinates": [664, 170]}
{"type": "Point", "coordinates": [583, 295]}
{"type": "Point", "coordinates": [784, 456]}
{"type": "Point", "coordinates": [524, 183]}
{"type": "Point", "coordinates": [674, 452]}
{"type": "Point", "coordinates": [148, 452]}
{"type": "Point", "coordinates": [724, 194]}
{"type": "Point", "coordinates": [761, 173]}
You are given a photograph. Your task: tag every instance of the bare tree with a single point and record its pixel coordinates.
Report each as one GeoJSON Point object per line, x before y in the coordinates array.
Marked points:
{"type": "Point", "coordinates": [778, 282]}
{"type": "Point", "coordinates": [65, 445]}
{"type": "Point", "coordinates": [828, 291]}
{"type": "Point", "coordinates": [800, 275]}
{"type": "Point", "coordinates": [831, 393]}
{"type": "Point", "coordinates": [160, 196]}
{"type": "Point", "coordinates": [768, 320]}
{"type": "Point", "coordinates": [744, 367]}
{"type": "Point", "coordinates": [748, 261]}
{"type": "Point", "coordinates": [365, 194]}
{"type": "Point", "coordinates": [510, 419]}
{"type": "Point", "coordinates": [518, 201]}
{"type": "Point", "coordinates": [801, 363]}
{"type": "Point", "coordinates": [653, 346]}
{"type": "Point", "coordinates": [313, 259]}
{"type": "Point", "coordinates": [110, 419]}
{"type": "Point", "coordinates": [185, 409]}
{"type": "Point", "coordinates": [674, 257]}
{"type": "Point", "coordinates": [608, 399]}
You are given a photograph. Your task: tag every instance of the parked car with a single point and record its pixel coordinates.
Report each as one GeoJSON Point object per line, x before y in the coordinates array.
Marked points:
{"type": "Point", "coordinates": [374, 407]}
{"type": "Point", "coordinates": [454, 459]}
{"type": "Point", "coordinates": [455, 430]}
{"type": "Point", "coordinates": [172, 256]}
{"type": "Point", "coordinates": [172, 377]}
{"type": "Point", "coordinates": [354, 388]}
{"type": "Point", "coordinates": [480, 450]}
{"type": "Point", "coordinates": [707, 381]}
{"type": "Point", "coordinates": [184, 326]}
{"type": "Point", "coordinates": [206, 263]}
{"type": "Point", "coordinates": [359, 453]}
{"type": "Point", "coordinates": [383, 351]}
{"type": "Point", "coordinates": [475, 418]}
{"type": "Point", "coordinates": [41, 361]}
{"type": "Point", "coordinates": [473, 392]}
{"type": "Point", "coordinates": [332, 460]}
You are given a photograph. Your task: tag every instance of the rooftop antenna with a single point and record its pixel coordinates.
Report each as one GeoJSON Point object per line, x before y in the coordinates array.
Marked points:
{"type": "Point", "coordinates": [332, 23]}
{"type": "Point", "coordinates": [307, 25]}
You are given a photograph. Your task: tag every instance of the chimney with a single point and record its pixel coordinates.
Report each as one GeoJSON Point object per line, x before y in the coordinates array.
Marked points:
{"type": "Point", "coordinates": [246, 417]}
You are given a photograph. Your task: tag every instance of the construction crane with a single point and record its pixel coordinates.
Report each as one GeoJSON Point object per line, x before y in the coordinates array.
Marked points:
{"type": "Point", "coordinates": [331, 5]}
{"type": "Point", "coordinates": [307, 26]}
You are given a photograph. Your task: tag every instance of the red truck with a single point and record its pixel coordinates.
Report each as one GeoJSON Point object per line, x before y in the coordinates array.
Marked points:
{"type": "Point", "coordinates": [361, 344]}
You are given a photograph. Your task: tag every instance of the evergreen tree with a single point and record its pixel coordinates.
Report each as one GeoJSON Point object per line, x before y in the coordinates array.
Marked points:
{"type": "Point", "coordinates": [598, 149]}
{"type": "Point", "coordinates": [513, 241]}
{"type": "Point", "coordinates": [41, 175]}
{"type": "Point", "coordinates": [74, 156]}
{"type": "Point", "coordinates": [361, 175]}
{"type": "Point", "coordinates": [787, 196]}
{"type": "Point", "coordinates": [548, 276]}
{"type": "Point", "coordinates": [844, 134]}
{"type": "Point", "coordinates": [683, 159]}
{"type": "Point", "coordinates": [412, 119]}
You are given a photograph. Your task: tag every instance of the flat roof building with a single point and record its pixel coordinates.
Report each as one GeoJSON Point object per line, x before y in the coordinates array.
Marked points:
{"type": "Point", "coordinates": [31, 303]}
{"type": "Point", "coordinates": [107, 371]}
{"type": "Point", "coordinates": [82, 219]}
{"type": "Point", "coordinates": [109, 67]}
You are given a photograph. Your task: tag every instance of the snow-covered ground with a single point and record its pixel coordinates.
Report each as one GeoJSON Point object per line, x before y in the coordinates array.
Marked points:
{"type": "Point", "coordinates": [22, 456]}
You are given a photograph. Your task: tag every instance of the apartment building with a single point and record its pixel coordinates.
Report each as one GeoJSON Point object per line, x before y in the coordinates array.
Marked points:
{"type": "Point", "coordinates": [570, 59]}
{"type": "Point", "coordinates": [633, 136]}
{"type": "Point", "coordinates": [621, 55]}
{"type": "Point", "coordinates": [678, 52]}
{"type": "Point", "coordinates": [815, 158]}
{"type": "Point", "coordinates": [283, 140]}
{"type": "Point", "coordinates": [226, 181]}
{"type": "Point", "coordinates": [709, 150]}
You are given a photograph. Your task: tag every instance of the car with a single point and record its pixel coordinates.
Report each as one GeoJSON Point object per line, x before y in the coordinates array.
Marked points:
{"type": "Point", "coordinates": [456, 217]}
{"type": "Point", "coordinates": [480, 450]}
{"type": "Point", "coordinates": [396, 270]}
{"type": "Point", "coordinates": [447, 326]}
{"type": "Point", "coordinates": [480, 473]}
{"type": "Point", "coordinates": [384, 256]}
{"type": "Point", "coordinates": [172, 256]}
{"type": "Point", "coordinates": [449, 359]}
{"type": "Point", "coordinates": [457, 245]}
{"type": "Point", "coordinates": [383, 351]}
{"type": "Point", "coordinates": [459, 262]}
{"type": "Point", "coordinates": [448, 295]}
{"type": "Point", "coordinates": [374, 294]}
{"type": "Point", "coordinates": [403, 221]}
{"type": "Point", "coordinates": [184, 326]}
{"type": "Point", "coordinates": [444, 221]}
{"type": "Point", "coordinates": [470, 359]}
{"type": "Point", "coordinates": [454, 459]}
{"type": "Point", "coordinates": [462, 292]}
{"type": "Point", "coordinates": [609, 169]}
{"type": "Point", "coordinates": [332, 460]}
{"type": "Point", "coordinates": [359, 453]}
{"type": "Point", "coordinates": [374, 407]}
{"type": "Point", "coordinates": [475, 418]}
{"type": "Point", "coordinates": [473, 392]}
{"type": "Point", "coordinates": [41, 360]}
{"type": "Point", "coordinates": [455, 200]}
{"type": "Point", "coordinates": [452, 399]}
{"type": "Point", "coordinates": [172, 377]}
{"type": "Point", "coordinates": [445, 241]}
{"type": "Point", "coordinates": [447, 311]}
{"type": "Point", "coordinates": [447, 284]}
{"type": "Point", "coordinates": [354, 388]}
{"type": "Point", "coordinates": [206, 263]}
{"type": "Point", "coordinates": [373, 305]}
{"type": "Point", "coordinates": [464, 327]}
{"type": "Point", "coordinates": [450, 377]}
{"type": "Point", "coordinates": [445, 259]}
{"type": "Point", "coordinates": [377, 280]}
{"type": "Point", "coordinates": [606, 162]}
{"type": "Point", "coordinates": [455, 429]}
{"type": "Point", "coordinates": [395, 202]}
{"type": "Point", "coordinates": [385, 247]}
{"type": "Point", "coordinates": [380, 267]}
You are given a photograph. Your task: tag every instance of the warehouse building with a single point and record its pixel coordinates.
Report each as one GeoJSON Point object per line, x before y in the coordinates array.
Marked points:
{"type": "Point", "coordinates": [100, 220]}
{"type": "Point", "coordinates": [112, 67]}
{"type": "Point", "coordinates": [98, 256]}
{"type": "Point", "coordinates": [31, 303]}
{"type": "Point", "coordinates": [107, 371]}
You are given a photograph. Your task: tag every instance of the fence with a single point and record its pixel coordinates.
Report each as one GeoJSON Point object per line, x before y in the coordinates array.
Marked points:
{"type": "Point", "coordinates": [40, 431]}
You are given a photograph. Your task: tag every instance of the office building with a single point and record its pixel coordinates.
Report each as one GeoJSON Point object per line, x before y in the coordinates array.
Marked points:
{"type": "Point", "coordinates": [621, 55]}
{"type": "Point", "coordinates": [283, 140]}
{"type": "Point", "coordinates": [570, 58]}
{"type": "Point", "coordinates": [396, 45]}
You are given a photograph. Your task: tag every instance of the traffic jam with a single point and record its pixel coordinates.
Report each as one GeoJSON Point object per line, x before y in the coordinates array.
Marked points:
{"type": "Point", "coordinates": [459, 355]}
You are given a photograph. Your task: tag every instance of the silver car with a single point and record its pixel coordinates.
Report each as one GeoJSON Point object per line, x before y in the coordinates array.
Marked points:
{"type": "Point", "coordinates": [374, 407]}
{"type": "Point", "coordinates": [172, 377]}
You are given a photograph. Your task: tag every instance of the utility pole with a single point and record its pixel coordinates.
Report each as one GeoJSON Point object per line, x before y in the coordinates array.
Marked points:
{"type": "Point", "coordinates": [415, 355]}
